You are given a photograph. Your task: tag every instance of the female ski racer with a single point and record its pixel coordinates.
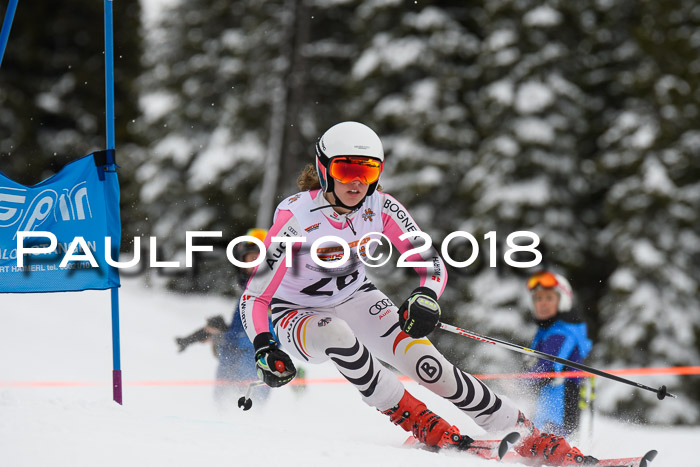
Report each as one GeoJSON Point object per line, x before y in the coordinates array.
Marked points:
{"type": "Point", "coordinates": [336, 313]}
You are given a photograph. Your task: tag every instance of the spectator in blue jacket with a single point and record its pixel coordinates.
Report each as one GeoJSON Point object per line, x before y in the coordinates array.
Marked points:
{"type": "Point", "coordinates": [230, 343]}
{"type": "Point", "coordinates": [561, 333]}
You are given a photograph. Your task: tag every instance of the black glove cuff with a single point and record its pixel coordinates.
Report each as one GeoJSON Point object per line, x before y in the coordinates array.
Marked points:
{"type": "Point", "coordinates": [425, 291]}
{"type": "Point", "coordinates": [264, 341]}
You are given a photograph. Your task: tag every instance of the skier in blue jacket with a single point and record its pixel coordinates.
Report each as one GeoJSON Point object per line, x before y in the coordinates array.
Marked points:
{"type": "Point", "coordinates": [561, 333]}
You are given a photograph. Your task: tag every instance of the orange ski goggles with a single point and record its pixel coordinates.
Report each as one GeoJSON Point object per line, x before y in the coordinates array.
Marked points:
{"type": "Point", "coordinates": [345, 169]}
{"type": "Point", "coordinates": [542, 279]}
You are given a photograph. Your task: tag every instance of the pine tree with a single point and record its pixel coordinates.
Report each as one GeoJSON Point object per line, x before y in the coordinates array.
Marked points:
{"type": "Point", "coordinates": [481, 118]}
{"type": "Point", "coordinates": [228, 85]}
{"type": "Point", "coordinates": [52, 91]}
{"type": "Point", "coordinates": [407, 82]}
{"type": "Point", "coordinates": [650, 154]}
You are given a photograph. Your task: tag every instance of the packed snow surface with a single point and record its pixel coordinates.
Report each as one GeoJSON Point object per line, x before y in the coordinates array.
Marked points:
{"type": "Point", "coordinates": [56, 403]}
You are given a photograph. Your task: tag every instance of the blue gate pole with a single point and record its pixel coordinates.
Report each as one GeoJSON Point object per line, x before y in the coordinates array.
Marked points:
{"type": "Point", "coordinates": [6, 25]}
{"type": "Point", "coordinates": [109, 113]}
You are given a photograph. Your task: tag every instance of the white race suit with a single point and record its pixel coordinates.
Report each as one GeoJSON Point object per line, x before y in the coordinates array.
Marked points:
{"type": "Point", "coordinates": [336, 313]}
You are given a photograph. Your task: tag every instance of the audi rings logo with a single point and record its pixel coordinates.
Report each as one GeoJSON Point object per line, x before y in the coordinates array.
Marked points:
{"type": "Point", "coordinates": [379, 306]}
{"type": "Point", "coordinates": [429, 369]}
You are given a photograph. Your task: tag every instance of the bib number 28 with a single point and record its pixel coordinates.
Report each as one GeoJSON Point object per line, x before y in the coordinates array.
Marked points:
{"type": "Point", "coordinates": [341, 282]}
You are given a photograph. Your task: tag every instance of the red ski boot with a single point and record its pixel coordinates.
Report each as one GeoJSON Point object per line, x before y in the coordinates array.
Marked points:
{"type": "Point", "coordinates": [547, 449]}
{"type": "Point", "coordinates": [412, 415]}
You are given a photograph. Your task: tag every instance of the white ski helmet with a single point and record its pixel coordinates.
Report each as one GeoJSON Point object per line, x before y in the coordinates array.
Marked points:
{"type": "Point", "coordinates": [346, 139]}
{"type": "Point", "coordinates": [557, 282]}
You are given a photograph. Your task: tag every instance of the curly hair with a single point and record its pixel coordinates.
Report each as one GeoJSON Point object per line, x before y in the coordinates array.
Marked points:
{"type": "Point", "coordinates": [308, 179]}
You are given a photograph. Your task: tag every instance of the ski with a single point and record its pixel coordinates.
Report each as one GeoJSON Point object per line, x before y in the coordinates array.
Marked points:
{"type": "Point", "coordinates": [498, 450]}
{"type": "Point", "coordinates": [644, 461]}
{"type": "Point", "coordinates": [492, 449]}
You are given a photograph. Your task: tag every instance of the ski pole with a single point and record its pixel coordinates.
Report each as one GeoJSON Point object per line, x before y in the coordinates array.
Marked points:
{"type": "Point", "coordinates": [244, 402]}
{"type": "Point", "coordinates": [661, 393]}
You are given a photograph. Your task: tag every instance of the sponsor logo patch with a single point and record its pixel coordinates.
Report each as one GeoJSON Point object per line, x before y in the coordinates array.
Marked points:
{"type": "Point", "coordinates": [379, 306]}
{"type": "Point", "coordinates": [428, 369]}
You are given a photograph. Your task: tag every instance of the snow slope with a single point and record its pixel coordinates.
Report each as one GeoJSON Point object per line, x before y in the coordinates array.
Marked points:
{"type": "Point", "coordinates": [170, 419]}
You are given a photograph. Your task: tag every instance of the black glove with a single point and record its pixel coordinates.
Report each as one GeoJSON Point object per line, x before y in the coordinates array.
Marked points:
{"type": "Point", "coordinates": [275, 368]}
{"type": "Point", "coordinates": [217, 322]}
{"type": "Point", "coordinates": [420, 313]}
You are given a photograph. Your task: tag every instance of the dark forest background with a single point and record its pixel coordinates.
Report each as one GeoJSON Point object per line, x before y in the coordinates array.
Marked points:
{"type": "Point", "coordinates": [579, 121]}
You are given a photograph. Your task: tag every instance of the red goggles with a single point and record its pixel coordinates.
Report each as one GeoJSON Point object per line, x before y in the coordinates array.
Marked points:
{"type": "Point", "coordinates": [542, 279]}
{"type": "Point", "coordinates": [345, 169]}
